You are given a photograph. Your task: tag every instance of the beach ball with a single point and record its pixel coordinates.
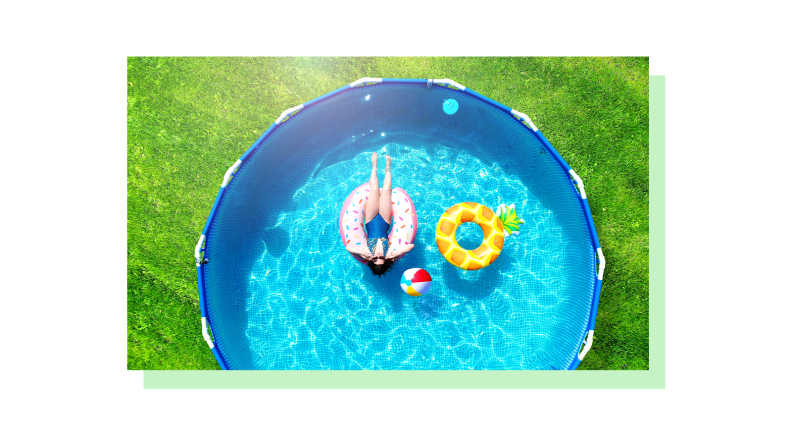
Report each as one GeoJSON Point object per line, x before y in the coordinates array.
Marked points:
{"type": "Point", "coordinates": [416, 281]}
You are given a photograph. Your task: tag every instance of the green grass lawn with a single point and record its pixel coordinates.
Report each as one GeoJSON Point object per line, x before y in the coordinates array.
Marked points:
{"type": "Point", "coordinates": [189, 119]}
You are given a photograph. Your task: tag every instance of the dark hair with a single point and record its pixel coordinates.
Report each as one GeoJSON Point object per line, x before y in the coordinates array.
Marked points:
{"type": "Point", "coordinates": [380, 270]}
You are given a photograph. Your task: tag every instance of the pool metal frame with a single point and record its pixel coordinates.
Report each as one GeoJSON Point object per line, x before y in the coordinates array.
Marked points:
{"type": "Point", "coordinates": [587, 341]}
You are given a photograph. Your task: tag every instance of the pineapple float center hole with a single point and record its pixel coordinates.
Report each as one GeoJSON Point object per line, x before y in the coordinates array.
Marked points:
{"type": "Point", "coordinates": [469, 235]}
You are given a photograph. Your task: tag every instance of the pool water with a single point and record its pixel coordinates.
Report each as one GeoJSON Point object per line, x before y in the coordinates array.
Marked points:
{"type": "Point", "coordinates": [283, 293]}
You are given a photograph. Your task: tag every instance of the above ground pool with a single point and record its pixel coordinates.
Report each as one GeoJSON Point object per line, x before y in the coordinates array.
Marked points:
{"type": "Point", "coordinates": [279, 291]}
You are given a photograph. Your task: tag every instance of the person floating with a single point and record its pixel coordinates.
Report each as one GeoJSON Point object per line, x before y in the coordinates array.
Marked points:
{"type": "Point", "coordinates": [385, 240]}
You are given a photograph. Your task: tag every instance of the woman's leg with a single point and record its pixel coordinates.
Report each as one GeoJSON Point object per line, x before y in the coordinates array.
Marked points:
{"type": "Point", "coordinates": [372, 206]}
{"type": "Point", "coordinates": [385, 204]}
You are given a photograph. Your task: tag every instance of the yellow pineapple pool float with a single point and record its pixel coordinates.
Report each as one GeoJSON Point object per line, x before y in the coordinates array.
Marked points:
{"type": "Point", "coordinates": [478, 258]}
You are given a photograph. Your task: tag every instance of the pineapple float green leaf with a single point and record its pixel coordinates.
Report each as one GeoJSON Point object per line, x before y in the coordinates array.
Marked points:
{"type": "Point", "coordinates": [508, 216]}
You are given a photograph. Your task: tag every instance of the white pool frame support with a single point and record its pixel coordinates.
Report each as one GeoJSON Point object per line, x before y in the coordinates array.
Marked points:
{"type": "Point", "coordinates": [445, 83]}
{"type": "Point", "coordinates": [205, 333]}
{"type": "Point", "coordinates": [198, 250]}
{"type": "Point", "coordinates": [366, 81]}
{"type": "Point", "coordinates": [524, 117]}
{"type": "Point", "coordinates": [586, 345]}
{"type": "Point", "coordinates": [288, 113]}
{"type": "Point", "coordinates": [579, 183]}
{"type": "Point", "coordinates": [602, 264]}
{"type": "Point", "coordinates": [230, 172]}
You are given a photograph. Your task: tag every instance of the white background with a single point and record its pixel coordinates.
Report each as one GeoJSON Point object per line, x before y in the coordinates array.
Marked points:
{"type": "Point", "coordinates": [64, 223]}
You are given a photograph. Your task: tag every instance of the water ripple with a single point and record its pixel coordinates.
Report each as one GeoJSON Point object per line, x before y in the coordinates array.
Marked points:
{"type": "Point", "coordinates": [312, 306]}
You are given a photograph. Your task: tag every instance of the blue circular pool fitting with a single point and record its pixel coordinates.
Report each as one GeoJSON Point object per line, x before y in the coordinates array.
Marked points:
{"type": "Point", "coordinates": [450, 106]}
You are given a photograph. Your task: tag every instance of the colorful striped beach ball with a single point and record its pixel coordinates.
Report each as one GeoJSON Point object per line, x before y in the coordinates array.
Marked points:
{"type": "Point", "coordinates": [416, 281]}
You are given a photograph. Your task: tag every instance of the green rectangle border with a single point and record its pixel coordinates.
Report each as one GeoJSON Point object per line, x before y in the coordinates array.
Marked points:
{"type": "Point", "coordinates": [654, 378]}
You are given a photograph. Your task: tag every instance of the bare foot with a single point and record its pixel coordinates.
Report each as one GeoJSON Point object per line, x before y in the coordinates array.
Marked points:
{"type": "Point", "coordinates": [387, 162]}
{"type": "Point", "coordinates": [374, 159]}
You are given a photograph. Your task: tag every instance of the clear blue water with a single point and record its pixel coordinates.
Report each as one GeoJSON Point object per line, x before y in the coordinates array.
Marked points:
{"type": "Point", "coordinates": [283, 293]}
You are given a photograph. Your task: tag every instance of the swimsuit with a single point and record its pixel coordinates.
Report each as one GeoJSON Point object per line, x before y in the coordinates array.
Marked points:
{"type": "Point", "coordinates": [377, 230]}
